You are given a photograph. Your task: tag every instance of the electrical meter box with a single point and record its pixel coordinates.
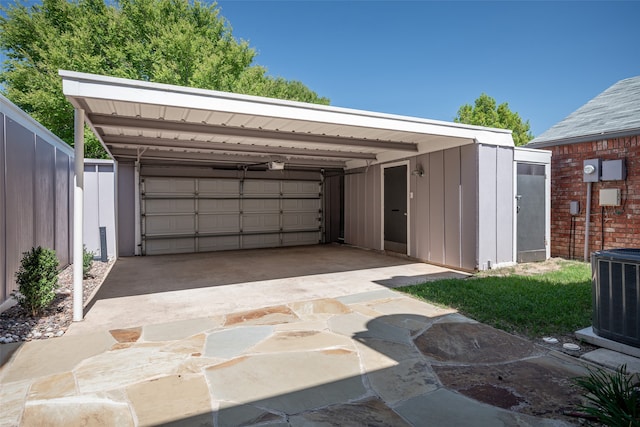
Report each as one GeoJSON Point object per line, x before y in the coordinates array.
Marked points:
{"type": "Point", "coordinates": [613, 170]}
{"type": "Point", "coordinates": [591, 170]}
{"type": "Point", "coordinates": [610, 197]}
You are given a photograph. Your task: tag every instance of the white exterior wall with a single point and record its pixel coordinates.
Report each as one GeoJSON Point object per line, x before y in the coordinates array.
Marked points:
{"type": "Point", "coordinates": [99, 205]}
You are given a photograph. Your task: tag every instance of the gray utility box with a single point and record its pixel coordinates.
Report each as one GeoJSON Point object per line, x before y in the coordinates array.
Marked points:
{"type": "Point", "coordinates": [591, 170]}
{"type": "Point", "coordinates": [574, 207]}
{"type": "Point", "coordinates": [613, 170]}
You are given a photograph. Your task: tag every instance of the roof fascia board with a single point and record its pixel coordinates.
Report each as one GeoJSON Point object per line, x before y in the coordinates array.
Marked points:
{"type": "Point", "coordinates": [585, 138]}
{"type": "Point", "coordinates": [116, 89]}
{"type": "Point", "coordinates": [221, 146]}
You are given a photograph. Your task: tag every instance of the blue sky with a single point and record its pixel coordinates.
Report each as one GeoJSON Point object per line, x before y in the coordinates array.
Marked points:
{"type": "Point", "coordinates": [426, 59]}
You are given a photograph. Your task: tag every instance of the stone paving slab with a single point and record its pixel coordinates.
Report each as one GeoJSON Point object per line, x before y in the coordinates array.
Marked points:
{"type": "Point", "coordinates": [170, 399]}
{"type": "Point", "coordinates": [41, 358]}
{"type": "Point", "coordinates": [377, 358]}
{"type": "Point", "coordinates": [180, 329]}
{"type": "Point", "coordinates": [540, 386]}
{"type": "Point", "coordinates": [473, 343]}
{"type": "Point", "coordinates": [371, 412]}
{"type": "Point", "coordinates": [447, 408]}
{"type": "Point", "coordinates": [289, 382]}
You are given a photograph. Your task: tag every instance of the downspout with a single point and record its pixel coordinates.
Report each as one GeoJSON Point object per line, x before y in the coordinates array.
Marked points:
{"type": "Point", "coordinates": [586, 225]}
{"type": "Point", "coordinates": [78, 214]}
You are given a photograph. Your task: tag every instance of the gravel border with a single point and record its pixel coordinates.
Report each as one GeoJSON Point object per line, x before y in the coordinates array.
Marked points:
{"type": "Point", "coordinates": [18, 325]}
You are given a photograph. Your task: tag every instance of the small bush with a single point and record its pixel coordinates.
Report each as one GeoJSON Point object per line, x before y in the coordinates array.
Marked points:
{"type": "Point", "coordinates": [37, 279]}
{"type": "Point", "coordinates": [87, 261]}
{"type": "Point", "coordinates": [614, 398]}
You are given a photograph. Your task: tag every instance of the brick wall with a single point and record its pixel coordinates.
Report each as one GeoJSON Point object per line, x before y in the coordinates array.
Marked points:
{"type": "Point", "coordinates": [621, 223]}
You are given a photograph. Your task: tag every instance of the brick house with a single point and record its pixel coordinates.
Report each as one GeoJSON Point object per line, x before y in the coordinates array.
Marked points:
{"type": "Point", "coordinates": [605, 132]}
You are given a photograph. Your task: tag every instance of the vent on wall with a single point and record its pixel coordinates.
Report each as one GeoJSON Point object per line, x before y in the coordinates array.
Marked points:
{"type": "Point", "coordinates": [616, 295]}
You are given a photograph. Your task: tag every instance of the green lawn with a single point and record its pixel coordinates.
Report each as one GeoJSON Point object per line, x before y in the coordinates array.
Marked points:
{"type": "Point", "coordinates": [552, 303]}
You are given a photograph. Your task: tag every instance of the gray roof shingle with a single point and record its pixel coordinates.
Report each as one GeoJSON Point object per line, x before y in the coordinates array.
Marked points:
{"type": "Point", "coordinates": [613, 113]}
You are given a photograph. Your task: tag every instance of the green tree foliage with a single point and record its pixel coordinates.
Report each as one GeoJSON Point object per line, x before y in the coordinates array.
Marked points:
{"type": "Point", "coordinates": [182, 42]}
{"type": "Point", "coordinates": [484, 112]}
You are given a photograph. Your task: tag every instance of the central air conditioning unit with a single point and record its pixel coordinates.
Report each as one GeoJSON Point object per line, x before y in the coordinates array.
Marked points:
{"type": "Point", "coordinates": [275, 166]}
{"type": "Point", "coordinates": [616, 295]}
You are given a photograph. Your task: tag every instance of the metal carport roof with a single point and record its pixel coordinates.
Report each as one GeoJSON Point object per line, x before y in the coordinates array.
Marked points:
{"type": "Point", "coordinates": [159, 122]}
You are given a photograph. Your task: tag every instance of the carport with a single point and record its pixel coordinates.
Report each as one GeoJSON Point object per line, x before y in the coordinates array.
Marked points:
{"type": "Point", "coordinates": [201, 170]}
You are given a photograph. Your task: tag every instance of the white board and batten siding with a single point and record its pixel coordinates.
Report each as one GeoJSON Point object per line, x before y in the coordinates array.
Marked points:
{"type": "Point", "coordinates": [186, 215]}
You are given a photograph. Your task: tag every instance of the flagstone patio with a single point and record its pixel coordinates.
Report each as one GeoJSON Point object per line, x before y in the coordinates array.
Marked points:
{"type": "Point", "coordinates": [376, 358]}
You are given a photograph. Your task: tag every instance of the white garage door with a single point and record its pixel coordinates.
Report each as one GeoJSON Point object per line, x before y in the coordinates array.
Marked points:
{"type": "Point", "coordinates": [182, 215]}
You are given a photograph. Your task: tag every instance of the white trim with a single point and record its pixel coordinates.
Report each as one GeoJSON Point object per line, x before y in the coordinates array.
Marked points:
{"type": "Point", "coordinates": [406, 163]}
{"type": "Point", "coordinates": [11, 111]}
{"type": "Point", "coordinates": [78, 86]}
{"type": "Point", "coordinates": [78, 215]}
{"type": "Point", "coordinates": [531, 155]}
{"type": "Point", "coordinates": [547, 200]}
{"type": "Point", "coordinates": [98, 162]}
{"type": "Point", "coordinates": [515, 211]}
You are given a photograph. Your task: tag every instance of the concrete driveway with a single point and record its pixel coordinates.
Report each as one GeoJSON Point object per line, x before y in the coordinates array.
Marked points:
{"type": "Point", "coordinates": [334, 348]}
{"type": "Point", "coordinates": [156, 289]}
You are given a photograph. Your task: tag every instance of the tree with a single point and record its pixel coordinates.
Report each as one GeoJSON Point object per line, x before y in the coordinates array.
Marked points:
{"type": "Point", "coordinates": [485, 113]}
{"type": "Point", "coordinates": [182, 42]}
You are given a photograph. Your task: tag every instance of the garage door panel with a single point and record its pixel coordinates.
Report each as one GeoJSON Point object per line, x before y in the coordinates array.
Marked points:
{"type": "Point", "coordinates": [170, 246]}
{"type": "Point", "coordinates": [261, 205]}
{"type": "Point", "coordinates": [222, 243]}
{"type": "Point", "coordinates": [174, 186]}
{"type": "Point", "coordinates": [168, 206]}
{"type": "Point", "coordinates": [216, 223]}
{"type": "Point", "coordinates": [169, 224]}
{"type": "Point", "coordinates": [260, 241]}
{"type": "Point", "coordinates": [218, 205]}
{"type": "Point", "coordinates": [222, 187]}
{"type": "Point", "coordinates": [301, 205]}
{"type": "Point", "coordinates": [253, 187]}
{"type": "Point", "coordinates": [261, 222]}
{"type": "Point", "coordinates": [301, 188]}
{"type": "Point", "coordinates": [299, 221]}
{"type": "Point", "coordinates": [294, 239]}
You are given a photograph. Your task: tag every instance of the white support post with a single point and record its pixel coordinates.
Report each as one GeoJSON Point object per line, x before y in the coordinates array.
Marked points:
{"type": "Point", "coordinates": [78, 214]}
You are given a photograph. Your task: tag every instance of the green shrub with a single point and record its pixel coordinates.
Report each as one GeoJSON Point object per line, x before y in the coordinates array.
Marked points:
{"type": "Point", "coordinates": [87, 261]}
{"type": "Point", "coordinates": [37, 279]}
{"type": "Point", "coordinates": [614, 398]}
